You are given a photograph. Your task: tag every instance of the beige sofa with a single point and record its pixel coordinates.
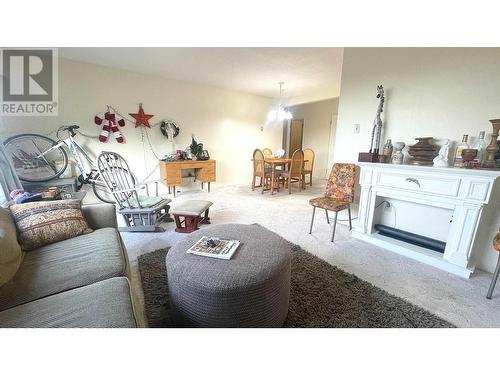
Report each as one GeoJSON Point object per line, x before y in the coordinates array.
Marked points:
{"type": "Point", "coordinates": [80, 282]}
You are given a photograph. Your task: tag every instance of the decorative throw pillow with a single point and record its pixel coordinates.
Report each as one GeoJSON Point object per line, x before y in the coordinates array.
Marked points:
{"type": "Point", "coordinates": [10, 251]}
{"type": "Point", "coordinates": [42, 223]}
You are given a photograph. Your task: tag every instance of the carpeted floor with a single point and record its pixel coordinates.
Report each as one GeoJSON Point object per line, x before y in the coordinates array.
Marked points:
{"type": "Point", "coordinates": [321, 296]}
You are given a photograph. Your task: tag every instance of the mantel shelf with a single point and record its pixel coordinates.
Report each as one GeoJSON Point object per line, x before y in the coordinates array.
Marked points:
{"type": "Point", "coordinates": [421, 168]}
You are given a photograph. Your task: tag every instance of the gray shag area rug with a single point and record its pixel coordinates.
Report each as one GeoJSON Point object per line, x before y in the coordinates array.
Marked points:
{"type": "Point", "coordinates": [321, 296]}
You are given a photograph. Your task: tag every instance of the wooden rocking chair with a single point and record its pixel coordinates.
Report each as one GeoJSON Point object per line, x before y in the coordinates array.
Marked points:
{"type": "Point", "coordinates": [141, 212]}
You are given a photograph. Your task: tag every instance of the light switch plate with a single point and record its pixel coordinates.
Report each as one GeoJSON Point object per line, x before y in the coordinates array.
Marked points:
{"type": "Point", "coordinates": [356, 128]}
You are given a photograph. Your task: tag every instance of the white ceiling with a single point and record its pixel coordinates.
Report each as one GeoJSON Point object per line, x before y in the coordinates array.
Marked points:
{"type": "Point", "coordinates": [309, 74]}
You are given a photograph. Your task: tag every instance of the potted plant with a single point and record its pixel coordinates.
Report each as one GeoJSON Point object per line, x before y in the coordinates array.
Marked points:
{"type": "Point", "coordinates": [196, 148]}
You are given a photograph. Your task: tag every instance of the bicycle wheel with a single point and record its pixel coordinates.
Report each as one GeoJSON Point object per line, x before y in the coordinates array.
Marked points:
{"type": "Point", "coordinates": [101, 190]}
{"type": "Point", "coordinates": [25, 151]}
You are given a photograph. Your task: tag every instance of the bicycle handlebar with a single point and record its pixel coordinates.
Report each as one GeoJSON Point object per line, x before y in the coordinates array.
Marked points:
{"type": "Point", "coordinates": [71, 129]}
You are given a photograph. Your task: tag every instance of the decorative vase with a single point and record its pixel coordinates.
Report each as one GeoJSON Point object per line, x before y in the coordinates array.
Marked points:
{"type": "Point", "coordinates": [423, 152]}
{"type": "Point", "coordinates": [497, 155]}
{"type": "Point", "coordinates": [491, 150]}
{"type": "Point", "coordinates": [204, 155]}
{"type": "Point", "coordinates": [387, 150]}
{"type": "Point", "coordinates": [397, 156]}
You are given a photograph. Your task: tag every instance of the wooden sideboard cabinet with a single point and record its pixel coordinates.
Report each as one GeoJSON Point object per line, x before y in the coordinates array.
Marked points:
{"type": "Point", "coordinates": [171, 172]}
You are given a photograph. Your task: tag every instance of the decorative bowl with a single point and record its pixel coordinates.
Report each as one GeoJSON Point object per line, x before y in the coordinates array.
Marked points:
{"type": "Point", "coordinates": [469, 154]}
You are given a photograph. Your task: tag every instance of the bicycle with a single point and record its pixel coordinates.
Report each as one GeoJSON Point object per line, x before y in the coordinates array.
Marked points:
{"type": "Point", "coordinates": [38, 158]}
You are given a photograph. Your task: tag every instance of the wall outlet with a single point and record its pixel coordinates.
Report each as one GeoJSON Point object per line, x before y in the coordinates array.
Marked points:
{"type": "Point", "coordinates": [356, 128]}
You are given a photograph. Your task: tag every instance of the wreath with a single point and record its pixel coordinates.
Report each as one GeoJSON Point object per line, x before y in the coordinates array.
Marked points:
{"type": "Point", "coordinates": [169, 129]}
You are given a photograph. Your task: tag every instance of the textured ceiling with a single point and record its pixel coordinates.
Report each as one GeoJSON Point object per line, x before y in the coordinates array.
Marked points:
{"type": "Point", "coordinates": [309, 74]}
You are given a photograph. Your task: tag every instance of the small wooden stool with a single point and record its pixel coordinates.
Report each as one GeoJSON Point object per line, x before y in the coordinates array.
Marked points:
{"type": "Point", "coordinates": [496, 246]}
{"type": "Point", "coordinates": [187, 215]}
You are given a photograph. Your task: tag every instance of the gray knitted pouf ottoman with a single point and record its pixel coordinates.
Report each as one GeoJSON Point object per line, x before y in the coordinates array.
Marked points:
{"type": "Point", "coordinates": [249, 290]}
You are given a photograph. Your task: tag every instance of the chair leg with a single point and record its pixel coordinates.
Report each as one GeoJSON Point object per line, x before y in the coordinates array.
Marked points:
{"type": "Point", "coordinates": [312, 220]}
{"type": "Point", "coordinates": [327, 218]}
{"type": "Point", "coordinates": [205, 219]}
{"type": "Point", "coordinates": [311, 179]}
{"type": "Point", "coordinates": [334, 225]}
{"type": "Point", "coordinates": [494, 280]}
{"type": "Point", "coordinates": [290, 185]}
{"type": "Point", "coordinates": [350, 221]}
{"type": "Point", "coordinates": [177, 221]}
{"type": "Point", "coordinates": [253, 183]}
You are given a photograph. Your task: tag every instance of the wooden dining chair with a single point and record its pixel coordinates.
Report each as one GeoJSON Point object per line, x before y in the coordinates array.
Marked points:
{"type": "Point", "coordinates": [260, 170]}
{"type": "Point", "coordinates": [267, 152]}
{"type": "Point", "coordinates": [294, 172]}
{"type": "Point", "coordinates": [308, 165]}
{"type": "Point", "coordinates": [339, 194]}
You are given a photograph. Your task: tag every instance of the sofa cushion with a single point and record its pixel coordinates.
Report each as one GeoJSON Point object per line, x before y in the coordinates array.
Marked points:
{"type": "Point", "coordinates": [42, 223]}
{"type": "Point", "coordinates": [66, 265]}
{"type": "Point", "coordinates": [10, 251]}
{"type": "Point", "coordinates": [105, 304]}
{"type": "Point", "coordinates": [100, 215]}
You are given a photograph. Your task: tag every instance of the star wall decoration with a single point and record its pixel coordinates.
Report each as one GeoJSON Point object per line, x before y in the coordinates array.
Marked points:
{"type": "Point", "coordinates": [141, 118]}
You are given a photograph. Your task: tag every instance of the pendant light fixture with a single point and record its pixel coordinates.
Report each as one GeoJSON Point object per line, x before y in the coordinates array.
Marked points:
{"type": "Point", "coordinates": [281, 113]}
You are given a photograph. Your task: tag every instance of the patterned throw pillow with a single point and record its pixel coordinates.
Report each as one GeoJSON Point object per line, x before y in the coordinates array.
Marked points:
{"type": "Point", "coordinates": [42, 223]}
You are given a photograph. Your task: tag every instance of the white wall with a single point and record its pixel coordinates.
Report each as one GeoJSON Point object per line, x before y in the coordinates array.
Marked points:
{"type": "Point", "coordinates": [319, 130]}
{"type": "Point", "coordinates": [437, 92]}
{"type": "Point", "coordinates": [226, 122]}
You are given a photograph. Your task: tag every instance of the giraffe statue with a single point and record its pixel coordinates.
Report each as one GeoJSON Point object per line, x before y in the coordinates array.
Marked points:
{"type": "Point", "coordinates": [377, 123]}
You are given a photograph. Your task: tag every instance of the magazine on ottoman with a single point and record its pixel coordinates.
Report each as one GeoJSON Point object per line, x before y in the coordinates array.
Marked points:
{"type": "Point", "coordinates": [214, 247]}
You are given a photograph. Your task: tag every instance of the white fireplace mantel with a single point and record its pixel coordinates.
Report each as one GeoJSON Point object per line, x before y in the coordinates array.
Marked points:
{"type": "Point", "coordinates": [465, 192]}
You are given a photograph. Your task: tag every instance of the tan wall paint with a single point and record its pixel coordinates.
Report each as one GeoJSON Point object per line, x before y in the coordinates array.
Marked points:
{"type": "Point", "coordinates": [226, 122]}
{"type": "Point", "coordinates": [318, 126]}
{"type": "Point", "coordinates": [438, 92]}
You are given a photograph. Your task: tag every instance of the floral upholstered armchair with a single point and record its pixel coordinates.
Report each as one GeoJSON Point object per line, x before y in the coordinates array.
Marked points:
{"type": "Point", "coordinates": [339, 193]}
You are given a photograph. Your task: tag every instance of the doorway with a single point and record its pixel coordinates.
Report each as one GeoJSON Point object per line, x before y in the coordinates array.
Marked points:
{"type": "Point", "coordinates": [296, 134]}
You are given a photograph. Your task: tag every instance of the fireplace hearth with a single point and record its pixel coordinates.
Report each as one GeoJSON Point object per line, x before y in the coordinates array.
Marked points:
{"type": "Point", "coordinates": [412, 238]}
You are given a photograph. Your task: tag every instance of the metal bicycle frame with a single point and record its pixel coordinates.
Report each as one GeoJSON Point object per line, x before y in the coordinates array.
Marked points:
{"type": "Point", "coordinates": [75, 150]}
